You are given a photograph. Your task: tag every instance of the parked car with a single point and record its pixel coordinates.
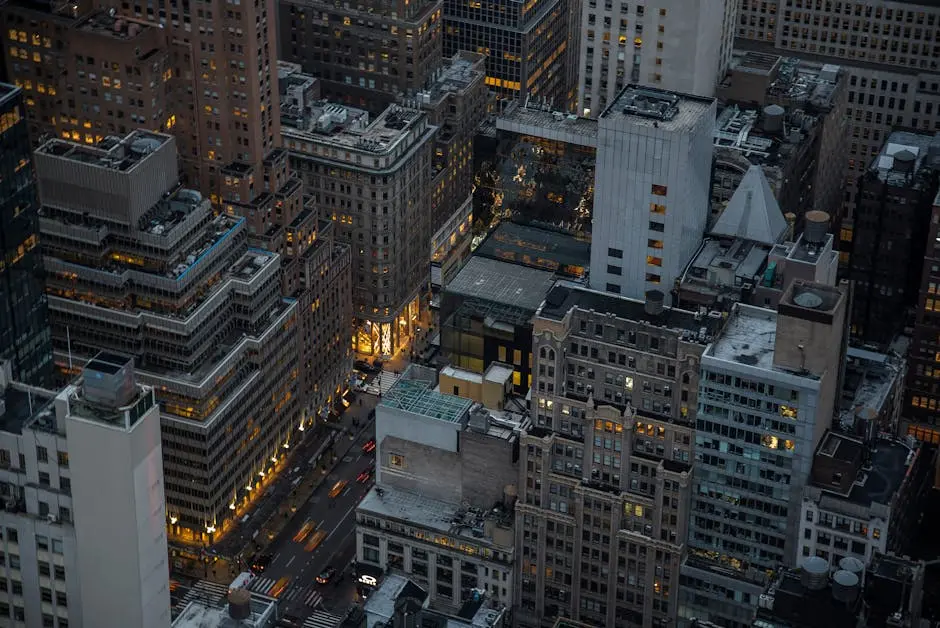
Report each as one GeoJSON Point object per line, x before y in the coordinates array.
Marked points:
{"type": "Point", "coordinates": [326, 575]}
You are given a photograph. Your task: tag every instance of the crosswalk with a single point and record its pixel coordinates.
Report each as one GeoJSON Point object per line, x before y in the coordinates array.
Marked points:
{"type": "Point", "coordinates": [205, 592]}
{"type": "Point", "coordinates": [386, 380]}
{"type": "Point", "coordinates": [322, 619]}
{"type": "Point", "coordinates": [267, 586]}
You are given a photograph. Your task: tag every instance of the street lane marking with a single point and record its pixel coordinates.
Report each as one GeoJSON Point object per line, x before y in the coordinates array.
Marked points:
{"type": "Point", "coordinates": [341, 521]}
{"type": "Point", "coordinates": [290, 561]}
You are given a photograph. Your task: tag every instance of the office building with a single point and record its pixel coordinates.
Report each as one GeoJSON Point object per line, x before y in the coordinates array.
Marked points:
{"type": "Point", "coordinates": [651, 190]}
{"type": "Point", "coordinates": [525, 44]}
{"type": "Point", "coordinates": [787, 116]}
{"type": "Point", "coordinates": [24, 326]}
{"type": "Point", "coordinates": [381, 207]}
{"type": "Point", "coordinates": [398, 601]}
{"type": "Point", "coordinates": [541, 168]}
{"type": "Point", "coordinates": [863, 497]}
{"type": "Point", "coordinates": [441, 511]}
{"type": "Point", "coordinates": [921, 393]}
{"type": "Point", "coordinates": [745, 258]}
{"type": "Point", "coordinates": [81, 477]}
{"type": "Point", "coordinates": [138, 265]}
{"type": "Point", "coordinates": [885, 257]}
{"type": "Point", "coordinates": [158, 67]}
{"type": "Point", "coordinates": [486, 316]}
{"type": "Point", "coordinates": [675, 45]}
{"type": "Point", "coordinates": [604, 485]}
{"type": "Point", "coordinates": [767, 394]}
{"type": "Point", "coordinates": [566, 255]}
{"type": "Point", "coordinates": [367, 56]}
{"type": "Point", "coordinates": [888, 50]}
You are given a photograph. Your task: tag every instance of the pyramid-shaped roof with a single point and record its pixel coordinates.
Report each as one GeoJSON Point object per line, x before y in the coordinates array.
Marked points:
{"type": "Point", "coordinates": [753, 212]}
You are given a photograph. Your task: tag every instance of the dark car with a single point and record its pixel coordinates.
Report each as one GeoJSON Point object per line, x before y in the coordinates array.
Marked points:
{"type": "Point", "coordinates": [326, 575]}
{"type": "Point", "coordinates": [369, 447]}
{"type": "Point", "coordinates": [363, 366]}
{"type": "Point", "coordinates": [289, 621]}
{"type": "Point", "coordinates": [261, 562]}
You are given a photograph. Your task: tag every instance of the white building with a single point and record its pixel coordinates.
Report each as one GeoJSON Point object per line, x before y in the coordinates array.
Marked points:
{"type": "Point", "coordinates": [652, 189]}
{"type": "Point", "coordinates": [81, 475]}
{"type": "Point", "coordinates": [441, 511]}
{"type": "Point", "coordinates": [679, 45]}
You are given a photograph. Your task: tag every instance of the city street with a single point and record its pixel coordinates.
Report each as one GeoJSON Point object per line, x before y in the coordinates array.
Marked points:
{"type": "Point", "coordinates": [291, 575]}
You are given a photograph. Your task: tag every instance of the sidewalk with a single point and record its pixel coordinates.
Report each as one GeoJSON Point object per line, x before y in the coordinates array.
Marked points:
{"type": "Point", "coordinates": [269, 519]}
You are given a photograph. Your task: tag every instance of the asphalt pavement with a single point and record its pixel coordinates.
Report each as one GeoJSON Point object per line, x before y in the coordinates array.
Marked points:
{"type": "Point", "coordinates": [293, 570]}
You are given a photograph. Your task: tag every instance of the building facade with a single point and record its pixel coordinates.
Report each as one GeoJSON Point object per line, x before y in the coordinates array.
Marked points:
{"type": "Point", "coordinates": [605, 475]}
{"type": "Point", "coordinates": [368, 56]}
{"type": "Point", "coordinates": [81, 477]}
{"type": "Point", "coordinates": [137, 264]}
{"type": "Point", "coordinates": [885, 259]}
{"type": "Point", "coordinates": [24, 327]}
{"type": "Point", "coordinates": [676, 45]}
{"type": "Point", "coordinates": [767, 394]}
{"type": "Point", "coordinates": [373, 180]}
{"type": "Point", "coordinates": [651, 190]}
{"type": "Point", "coordinates": [889, 51]}
{"type": "Point", "coordinates": [526, 44]}
{"type": "Point", "coordinates": [441, 510]}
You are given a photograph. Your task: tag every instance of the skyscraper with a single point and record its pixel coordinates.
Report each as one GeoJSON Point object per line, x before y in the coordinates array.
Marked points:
{"type": "Point", "coordinates": [677, 45]}
{"type": "Point", "coordinates": [651, 190]}
{"type": "Point", "coordinates": [24, 327]}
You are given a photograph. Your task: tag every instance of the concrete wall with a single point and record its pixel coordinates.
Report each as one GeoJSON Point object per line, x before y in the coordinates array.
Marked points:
{"type": "Point", "coordinates": [117, 486]}
{"type": "Point", "coordinates": [488, 466]}
{"type": "Point", "coordinates": [427, 470]}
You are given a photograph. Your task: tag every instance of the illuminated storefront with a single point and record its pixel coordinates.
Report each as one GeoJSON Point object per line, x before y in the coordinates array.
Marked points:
{"type": "Point", "coordinates": [386, 338]}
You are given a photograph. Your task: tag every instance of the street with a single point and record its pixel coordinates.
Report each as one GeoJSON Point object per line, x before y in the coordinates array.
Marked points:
{"type": "Point", "coordinates": [291, 575]}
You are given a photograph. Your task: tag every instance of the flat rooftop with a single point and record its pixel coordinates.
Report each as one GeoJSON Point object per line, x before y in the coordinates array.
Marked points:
{"type": "Point", "coordinates": [548, 124]}
{"type": "Point", "coordinates": [340, 126]}
{"type": "Point", "coordinates": [111, 153]}
{"type": "Point", "coordinates": [535, 247]}
{"type": "Point", "coordinates": [566, 296]}
{"type": "Point", "coordinates": [432, 514]}
{"type": "Point", "coordinates": [455, 75]}
{"type": "Point", "coordinates": [905, 153]}
{"type": "Point", "coordinates": [648, 106]}
{"type": "Point", "coordinates": [795, 605]}
{"type": "Point", "coordinates": [502, 282]}
{"type": "Point", "coordinates": [23, 406]}
{"type": "Point", "coordinates": [869, 379]}
{"type": "Point", "coordinates": [722, 265]}
{"type": "Point", "coordinates": [882, 474]}
{"type": "Point", "coordinates": [380, 605]}
{"type": "Point", "coordinates": [113, 26]}
{"type": "Point", "coordinates": [418, 396]}
{"type": "Point", "coordinates": [199, 614]}
{"type": "Point", "coordinates": [748, 338]}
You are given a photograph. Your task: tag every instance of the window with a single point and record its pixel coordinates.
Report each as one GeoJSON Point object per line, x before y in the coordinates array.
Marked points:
{"type": "Point", "coordinates": [614, 270]}
{"type": "Point", "coordinates": [42, 454]}
{"type": "Point", "coordinates": [63, 457]}
{"type": "Point", "coordinates": [653, 278]}
{"type": "Point", "coordinates": [613, 288]}
{"type": "Point", "coordinates": [659, 190]}
{"type": "Point", "coordinates": [396, 460]}
{"type": "Point", "coordinates": [654, 261]}
{"type": "Point", "coordinates": [43, 478]}
{"type": "Point", "coordinates": [42, 542]}
{"type": "Point", "coordinates": [615, 253]}
{"type": "Point", "coordinates": [657, 208]}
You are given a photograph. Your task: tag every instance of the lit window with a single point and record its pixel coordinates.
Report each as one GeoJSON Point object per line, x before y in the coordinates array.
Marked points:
{"type": "Point", "coordinates": [656, 208]}
{"type": "Point", "coordinates": [654, 261]}
{"type": "Point", "coordinates": [659, 190]}
{"type": "Point", "coordinates": [396, 460]}
{"type": "Point", "coordinates": [628, 383]}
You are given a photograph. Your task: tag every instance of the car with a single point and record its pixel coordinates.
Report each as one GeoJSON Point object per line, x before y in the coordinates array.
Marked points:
{"type": "Point", "coordinates": [315, 541]}
{"type": "Point", "coordinates": [261, 562]}
{"type": "Point", "coordinates": [279, 587]}
{"type": "Point", "coordinates": [337, 489]}
{"type": "Point", "coordinates": [363, 366]}
{"type": "Point", "coordinates": [289, 621]}
{"type": "Point", "coordinates": [366, 475]}
{"type": "Point", "coordinates": [369, 447]}
{"type": "Point", "coordinates": [305, 530]}
{"type": "Point", "coordinates": [326, 575]}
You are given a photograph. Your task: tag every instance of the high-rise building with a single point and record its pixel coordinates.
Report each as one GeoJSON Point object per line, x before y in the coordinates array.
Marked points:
{"type": "Point", "coordinates": [82, 478]}
{"type": "Point", "coordinates": [24, 327]}
{"type": "Point", "coordinates": [889, 51]}
{"type": "Point", "coordinates": [651, 190]}
{"type": "Point", "coordinates": [895, 197]}
{"type": "Point", "coordinates": [767, 394]}
{"type": "Point", "coordinates": [441, 510]}
{"type": "Point", "coordinates": [204, 73]}
{"type": "Point", "coordinates": [525, 43]}
{"type": "Point", "coordinates": [677, 45]}
{"type": "Point", "coordinates": [787, 116]}
{"type": "Point", "coordinates": [139, 265]}
{"type": "Point", "coordinates": [605, 479]}
{"type": "Point", "coordinates": [373, 180]}
{"type": "Point", "coordinates": [367, 56]}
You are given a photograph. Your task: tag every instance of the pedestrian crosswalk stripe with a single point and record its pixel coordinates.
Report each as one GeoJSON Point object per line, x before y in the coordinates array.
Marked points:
{"type": "Point", "coordinates": [320, 619]}
{"type": "Point", "coordinates": [314, 599]}
{"type": "Point", "coordinates": [204, 591]}
{"type": "Point", "coordinates": [387, 379]}
{"type": "Point", "coordinates": [261, 585]}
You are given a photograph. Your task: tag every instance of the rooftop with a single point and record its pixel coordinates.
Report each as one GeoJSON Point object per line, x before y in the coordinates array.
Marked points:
{"type": "Point", "coordinates": [880, 469]}
{"type": "Point", "coordinates": [415, 393]}
{"type": "Point", "coordinates": [767, 137]}
{"type": "Point", "coordinates": [431, 514]}
{"type": "Point", "coordinates": [453, 76]}
{"type": "Point", "coordinates": [215, 614]}
{"type": "Point", "coordinates": [116, 27]}
{"type": "Point", "coordinates": [339, 126]}
{"type": "Point", "coordinates": [390, 596]}
{"type": "Point", "coordinates": [906, 154]}
{"type": "Point", "coordinates": [869, 380]}
{"type": "Point", "coordinates": [753, 212]}
{"type": "Point", "coordinates": [721, 265]}
{"type": "Point", "coordinates": [25, 406]}
{"type": "Point", "coordinates": [651, 107]}
{"type": "Point", "coordinates": [539, 248]}
{"type": "Point", "coordinates": [502, 282]}
{"type": "Point", "coordinates": [553, 125]}
{"type": "Point", "coordinates": [789, 602]}
{"type": "Point", "coordinates": [748, 338]}
{"type": "Point", "coordinates": [565, 296]}
{"type": "Point", "coordinates": [113, 153]}
{"type": "Point", "coordinates": [792, 78]}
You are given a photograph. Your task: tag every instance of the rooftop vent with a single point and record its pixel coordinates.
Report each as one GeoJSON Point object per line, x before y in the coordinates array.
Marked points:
{"type": "Point", "coordinates": [773, 118]}
{"type": "Point", "coordinates": [904, 161]}
{"type": "Point", "coordinates": [809, 300]}
{"type": "Point", "coordinates": [651, 104]}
